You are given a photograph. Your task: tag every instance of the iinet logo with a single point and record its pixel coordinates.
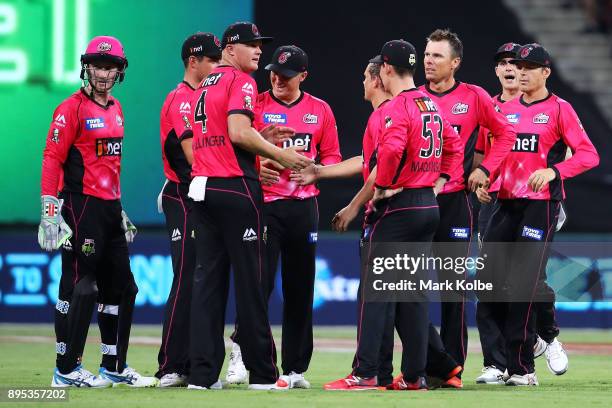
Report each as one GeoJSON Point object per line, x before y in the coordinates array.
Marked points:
{"type": "Point", "coordinates": [249, 235]}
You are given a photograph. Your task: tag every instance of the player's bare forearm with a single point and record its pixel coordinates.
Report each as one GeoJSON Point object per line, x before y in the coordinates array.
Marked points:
{"type": "Point", "coordinates": [366, 192]}
{"type": "Point", "coordinates": [478, 158]}
{"type": "Point", "coordinates": [347, 168]}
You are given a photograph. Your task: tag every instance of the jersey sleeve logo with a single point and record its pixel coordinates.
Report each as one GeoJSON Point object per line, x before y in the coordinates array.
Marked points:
{"type": "Point", "coordinates": [60, 120]}
{"type": "Point", "coordinates": [310, 119]}
{"type": "Point", "coordinates": [186, 122]}
{"type": "Point", "coordinates": [184, 108]}
{"type": "Point", "coordinates": [119, 120]}
{"type": "Point", "coordinates": [460, 108]}
{"type": "Point", "coordinates": [425, 104]}
{"type": "Point", "coordinates": [388, 122]}
{"type": "Point", "coordinates": [247, 88]}
{"type": "Point", "coordinates": [55, 137]}
{"type": "Point", "coordinates": [248, 102]}
{"type": "Point", "coordinates": [541, 118]}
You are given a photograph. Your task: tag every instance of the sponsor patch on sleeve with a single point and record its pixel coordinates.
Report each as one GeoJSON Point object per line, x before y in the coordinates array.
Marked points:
{"type": "Point", "coordinates": [425, 104]}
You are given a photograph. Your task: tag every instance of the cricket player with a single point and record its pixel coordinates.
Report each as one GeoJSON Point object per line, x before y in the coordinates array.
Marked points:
{"type": "Point", "coordinates": [530, 195]}
{"type": "Point", "coordinates": [491, 337]}
{"type": "Point", "coordinates": [82, 213]}
{"type": "Point", "coordinates": [200, 54]}
{"type": "Point", "coordinates": [228, 214]}
{"type": "Point", "coordinates": [405, 211]}
{"type": "Point", "coordinates": [466, 107]}
{"type": "Point", "coordinates": [291, 210]}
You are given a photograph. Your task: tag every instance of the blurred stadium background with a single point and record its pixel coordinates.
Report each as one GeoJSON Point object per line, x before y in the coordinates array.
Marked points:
{"type": "Point", "coordinates": [40, 44]}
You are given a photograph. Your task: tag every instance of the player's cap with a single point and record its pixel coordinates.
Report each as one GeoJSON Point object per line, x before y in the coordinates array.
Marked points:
{"type": "Point", "coordinates": [398, 53]}
{"type": "Point", "coordinates": [198, 44]}
{"type": "Point", "coordinates": [105, 48]}
{"type": "Point", "coordinates": [533, 53]}
{"type": "Point", "coordinates": [288, 61]}
{"type": "Point", "coordinates": [241, 33]}
{"type": "Point", "coordinates": [507, 50]}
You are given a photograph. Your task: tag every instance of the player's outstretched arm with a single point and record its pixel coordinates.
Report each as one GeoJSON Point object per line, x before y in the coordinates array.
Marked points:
{"type": "Point", "coordinates": [345, 216]}
{"type": "Point", "coordinates": [311, 174]}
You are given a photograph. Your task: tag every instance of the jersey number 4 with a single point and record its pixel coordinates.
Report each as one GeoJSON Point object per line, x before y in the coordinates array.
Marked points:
{"type": "Point", "coordinates": [200, 111]}
{"type": "Point", "coordinates": [428, 134]}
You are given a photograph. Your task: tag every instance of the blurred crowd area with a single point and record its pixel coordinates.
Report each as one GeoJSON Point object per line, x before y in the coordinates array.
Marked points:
{"type": "Point", "coordinates": [598, 14]}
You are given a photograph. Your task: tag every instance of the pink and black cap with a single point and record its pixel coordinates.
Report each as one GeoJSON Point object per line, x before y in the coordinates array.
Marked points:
{"type": "Point", "coordinates": [201, 44]}
{"type": "Point", "coordinates": [105, 48]}
{"type": "Point", "coordinates": [507, 50]}
{"type": "Point", "coordinates": [288, 61]}
{"type": "Point", "coordinates": [399, 53]}
{"type": "Point", "coordinates": [533, 53]}
{"type": "Point", "coordinates": [242, 32]}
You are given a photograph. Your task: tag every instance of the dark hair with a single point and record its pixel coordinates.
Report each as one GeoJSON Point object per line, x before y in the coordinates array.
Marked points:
{"type": "Point", "coordinates": [403, 71]}
{"type": "Point", "coordinates": [452, 38]}
{"type": "Point", "coordinates": [199, 58]}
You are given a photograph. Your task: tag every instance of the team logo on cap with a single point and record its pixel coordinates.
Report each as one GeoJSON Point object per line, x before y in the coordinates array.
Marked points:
{"type": "Point", "coordinates": [509, 47]}
{"type": "Point", "coordinates": [255, 30]}
{"type": "Point", "coordinates": [104, 47]}
{"type": "Point", "coordinates": [525, 52]}
{"type": "Point", "coordinates": [283, 57]}
{"type": "Point", "coordinates": [216, 40]}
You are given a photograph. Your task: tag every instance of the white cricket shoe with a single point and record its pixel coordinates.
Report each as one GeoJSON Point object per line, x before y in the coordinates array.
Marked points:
{"type": "Point", "coordinates": [523, 380]}
{"type": "Point", "coordinates": [236, 371]}
{"type": "Point", "coordinates": [279, 385]}
{"type": "Point", "coordinates": [216, 386]}
{"type": "Point", "coordinates": [556, 358]}
{"type": "Point", "coordinates": [295, 380]}
{"type": "Point", "coordinates": [79, 377]}
{"type": "Point", "coordinates": [128, 378]}
{"type": "Point", "coordinates": [490, 375]}
{"type": "Point", "coordinates": [173, 380]}
{"type": "Point", "coordinates": [539, 347]}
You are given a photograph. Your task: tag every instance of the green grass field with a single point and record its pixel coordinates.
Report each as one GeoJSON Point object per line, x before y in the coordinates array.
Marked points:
{"type": "Point", "coordinates": [28, 361]}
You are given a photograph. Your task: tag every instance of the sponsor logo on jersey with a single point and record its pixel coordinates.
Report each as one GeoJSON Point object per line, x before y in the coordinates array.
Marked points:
{"type": "Point", "coordinates": [249, 235]}
{"type": "Point", "coordinates": [541, 118]}
{"type": "Point", "coordinates": [526, 143]}
{"type": "Point", "coordinates": [388, 122]}
{"type": "Point", "coordinates": [104, 47]}
{"type": "Point", "coordinates": [459, 233]}
{"type": "Point", "coordinates": [185, 108]}
{"type": "Point", "coordinates": [55, 137]}
{"type": "Point", "coordinates": [533, 233]}
{"type": "Point", "coordinates": [212, 79]}
{"type": "Point", "coordinates": [298, 140]}
{"type": "Point", "coordinates": [425, 104]}
{"type": "Point", "coordinates": [283, 57]}
{"type": "Point", "coordinates": [248, 102]}
{"type": "Point", "coordinates": [513, 117]}
{"type": "Point", "coordinates": [186, 122]}
{"type": "Point", "coordinates": [248, 88]}
{"type": "Point", "coordinates": [94, 123]}
{"type": "Point", "coordinates": [109, 146]}
{"type": "Point", "coordinates": [60, 120]}
{"type": "Point", "coordinates": [176, 235]}
{"type": "Point", "coordinates": [460, 108]}
{"type": "Point", "coordinates": [278, 118]}
{"type": "Point", "coordinates": [88, 247]}
{"type": "Point", "coordinates": [313, 237]}
{"type": "Point", "coordinates": [310, 119]}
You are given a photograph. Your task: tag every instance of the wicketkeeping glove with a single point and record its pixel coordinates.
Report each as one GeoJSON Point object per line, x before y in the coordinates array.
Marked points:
{"type": "Point", "coordinates": [128, 227]}
{"type": "Point", "coordinates": [53, 231]}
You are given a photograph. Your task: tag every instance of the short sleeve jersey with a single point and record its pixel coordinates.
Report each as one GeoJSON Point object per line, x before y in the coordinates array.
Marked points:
{"type": "Point", "coordinates": [417, 145]}
{"type": "Point", "coordinates": [174, 128]}
{"type": "Point", "coordinates": [225, 91]}
{"type": "Point", "coordinates": [544, 129]}
{"type": "Point", "coordinates": [467, 107]}
{"type": "Point", "coordinates": [86, 140]}
{"type": "Point", "coordinates": [371, 136]}
{"type": "Point", "coordinates": [315, 130]}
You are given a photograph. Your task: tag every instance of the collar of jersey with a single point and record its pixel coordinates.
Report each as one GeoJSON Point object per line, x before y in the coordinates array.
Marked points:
{"type": "Point", "coordinates": [286, 105]}
{"type": "Point", "coordinates": [110, 101]}
{"type": "Point", "coordinates": [440, 94]}
{"type": "Point", "coordinates": [534, 102]}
